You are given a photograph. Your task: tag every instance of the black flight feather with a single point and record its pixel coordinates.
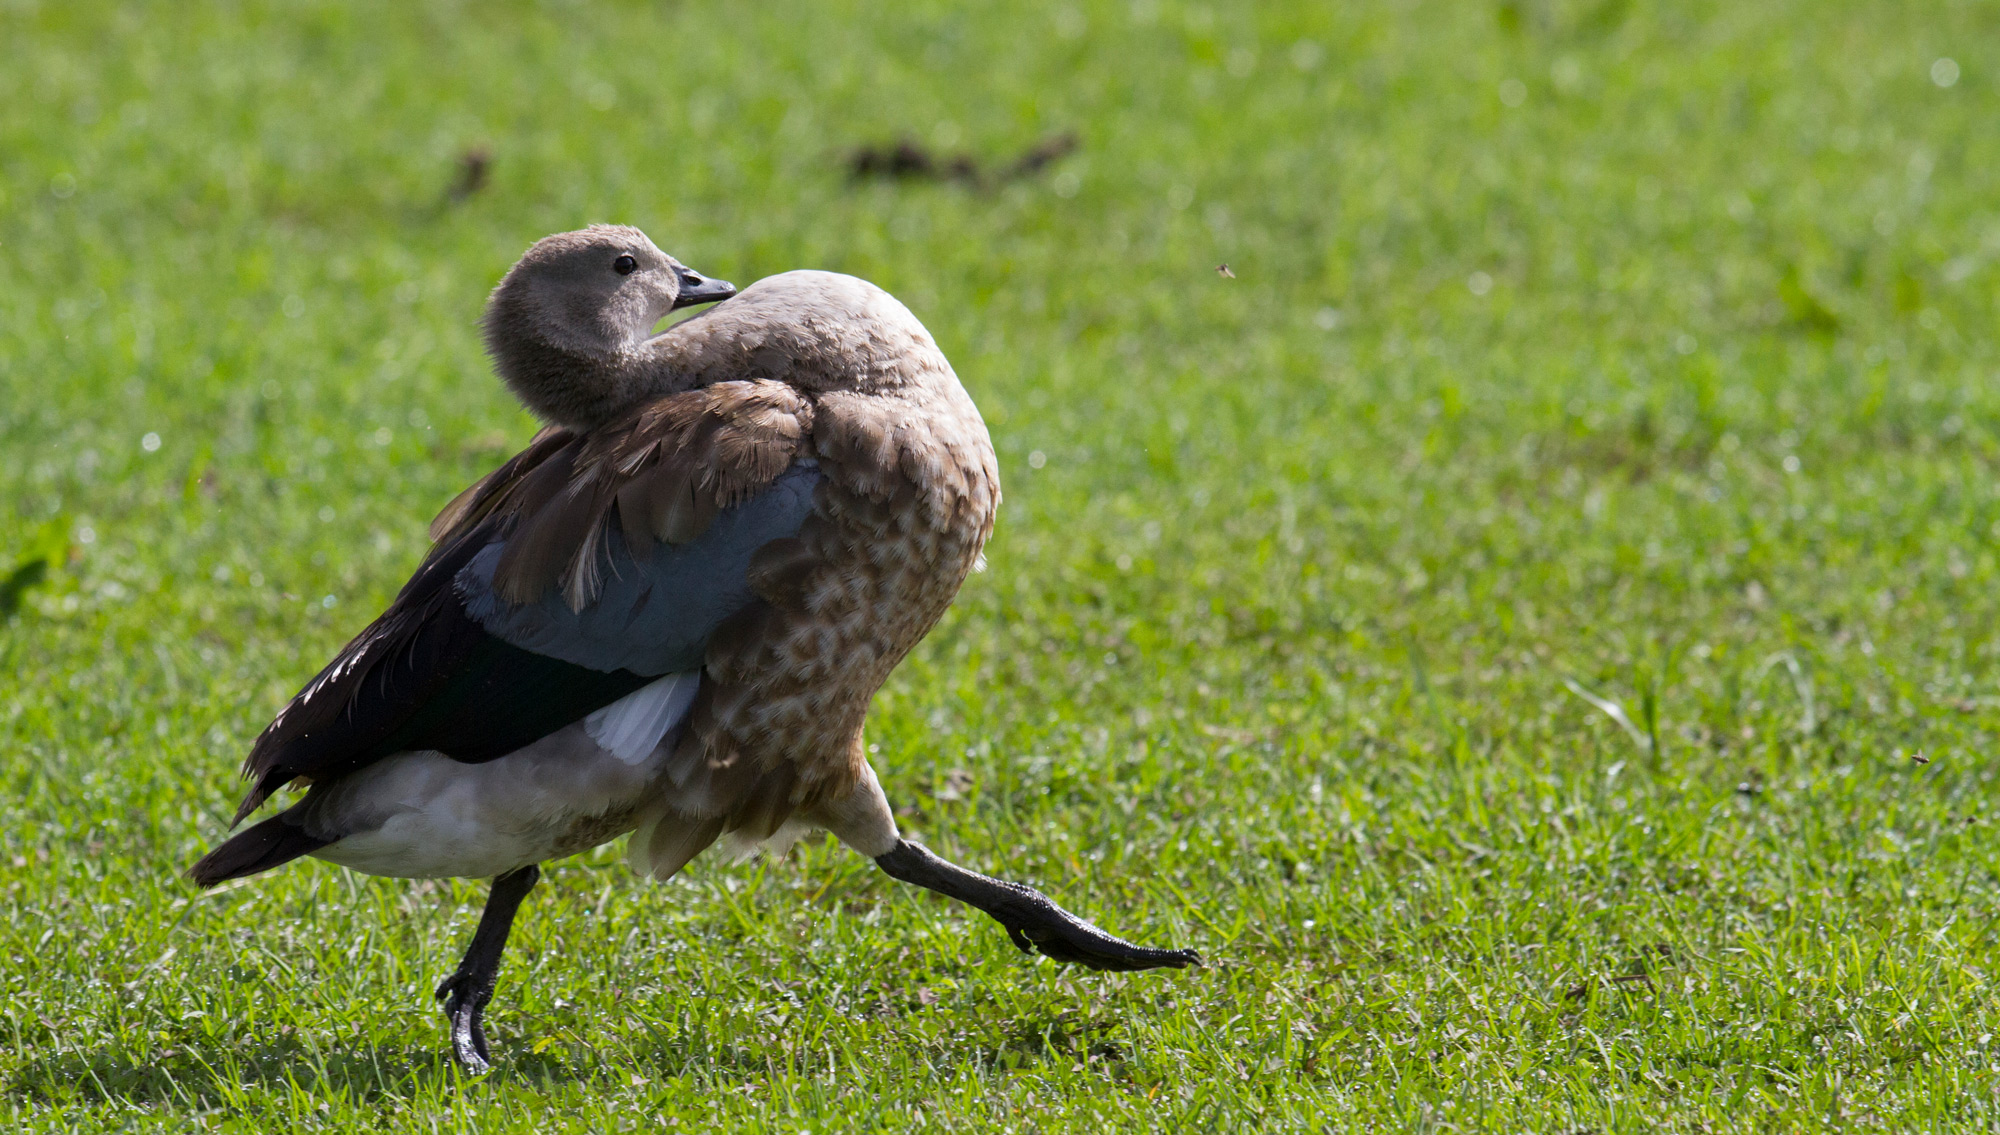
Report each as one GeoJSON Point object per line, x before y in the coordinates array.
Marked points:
{"type": "Point", "coordinates": [259, 847]}
{"type": "Point", "coordinates": [425, 676]}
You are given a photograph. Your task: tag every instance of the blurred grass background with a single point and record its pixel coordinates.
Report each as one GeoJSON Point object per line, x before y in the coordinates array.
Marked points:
{"type": "Point", "coordinates": [1578, 355]}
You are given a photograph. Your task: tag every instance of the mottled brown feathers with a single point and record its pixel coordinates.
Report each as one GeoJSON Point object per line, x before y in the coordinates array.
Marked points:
{"type": "Point", "coordinates": [867, 577]}
{"type": "Point", "coordinates": [907, 504]}
{"type": "Point", "coordinates": [663, 471]}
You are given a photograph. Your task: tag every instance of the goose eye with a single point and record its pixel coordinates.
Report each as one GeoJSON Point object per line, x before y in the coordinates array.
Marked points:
{"type": "Point", "coordinates": [625, 265]}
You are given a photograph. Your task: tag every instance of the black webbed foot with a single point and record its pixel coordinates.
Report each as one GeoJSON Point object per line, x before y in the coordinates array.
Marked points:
{"type": "Point", "coordinates": [465, 993]}
{"type": "Point", "coordinates": [1032, 921]}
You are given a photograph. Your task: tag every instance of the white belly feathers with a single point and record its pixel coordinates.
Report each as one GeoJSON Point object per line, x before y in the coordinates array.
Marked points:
{"type": "Point", "coordinates": [422, 814]}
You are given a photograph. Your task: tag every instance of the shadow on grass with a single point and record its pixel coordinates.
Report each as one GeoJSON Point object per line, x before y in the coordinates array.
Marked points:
{"type": "Point", "coordinates": [218, 1075]}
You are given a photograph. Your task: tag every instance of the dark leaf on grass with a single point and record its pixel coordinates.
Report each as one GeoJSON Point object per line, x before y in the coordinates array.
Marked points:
{"type": "Point", "coordinates": [1045, 152]}
{"type": "Point", "coordinates": [909, 159]}
{"type": "Point", "coordinates": [473, 167]}
{"type": "Point", "coordinates": [26, 574]}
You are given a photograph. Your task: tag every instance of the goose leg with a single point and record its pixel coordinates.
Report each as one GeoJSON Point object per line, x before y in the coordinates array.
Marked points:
{"type": "Point", "coordinates": [465, 993]}
{"type": "Point", "coordinates": [1032, 921]}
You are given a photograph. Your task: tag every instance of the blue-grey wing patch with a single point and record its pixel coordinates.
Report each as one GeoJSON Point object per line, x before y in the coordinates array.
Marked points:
{"type": "Point", "coordinates": [654, 616]}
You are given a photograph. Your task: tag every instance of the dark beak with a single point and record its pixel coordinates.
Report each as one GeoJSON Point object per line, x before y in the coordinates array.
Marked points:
{"type": "Point", "coordinates": [697, 288]}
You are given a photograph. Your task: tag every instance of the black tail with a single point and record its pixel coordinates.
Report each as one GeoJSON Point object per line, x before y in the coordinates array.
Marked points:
{"type": "Point", "coordinates": [259, 847]}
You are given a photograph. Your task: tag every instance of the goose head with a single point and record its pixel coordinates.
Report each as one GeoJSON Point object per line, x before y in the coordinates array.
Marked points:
{"type": "Point", "coordinates": [567, 324]}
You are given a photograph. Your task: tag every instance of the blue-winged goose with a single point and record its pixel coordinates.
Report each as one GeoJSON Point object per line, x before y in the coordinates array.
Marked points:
{"type": "Point", "coordinates": [667, 615]}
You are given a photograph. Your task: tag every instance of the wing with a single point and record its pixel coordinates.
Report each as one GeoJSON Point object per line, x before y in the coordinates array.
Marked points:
{"type": "Point", "coordinates": [580, 571]}
{"type": "Point", "coordinates": [651, 614]}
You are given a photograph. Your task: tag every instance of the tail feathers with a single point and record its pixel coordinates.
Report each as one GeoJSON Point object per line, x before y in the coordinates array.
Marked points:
{"type": "Point", "coordinates": [666, 840]}
{"type": "Point", "coordinates": [256, 848]}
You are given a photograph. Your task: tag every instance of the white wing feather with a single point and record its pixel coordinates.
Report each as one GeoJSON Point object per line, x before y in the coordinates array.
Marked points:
{"type": "Point", "coordinates": [631, 727]}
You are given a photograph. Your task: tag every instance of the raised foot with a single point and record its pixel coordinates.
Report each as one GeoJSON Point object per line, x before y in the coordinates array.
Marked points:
{"type": "Point", "coordinates": [1031, 919]}
{"type": "Point", "coordinates": [464, 998]}
{"type": "Point", "coordinates": [1063, 936]}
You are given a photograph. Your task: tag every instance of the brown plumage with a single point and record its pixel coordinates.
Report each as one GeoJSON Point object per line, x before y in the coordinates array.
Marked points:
{"type": "Point", "coordinates": [668, 614]}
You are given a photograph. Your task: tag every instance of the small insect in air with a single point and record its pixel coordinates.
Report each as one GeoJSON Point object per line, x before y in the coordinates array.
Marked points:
{"type": "Point", "coordinates": [1223, 271]}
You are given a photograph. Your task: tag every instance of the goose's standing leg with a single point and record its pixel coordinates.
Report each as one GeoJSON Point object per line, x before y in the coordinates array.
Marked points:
{"type": "Point", "coordinates": [466, 991]}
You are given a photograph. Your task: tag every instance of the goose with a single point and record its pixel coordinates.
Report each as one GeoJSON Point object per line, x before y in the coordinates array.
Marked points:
{"type": "Point", "coordinates": [666, 616]}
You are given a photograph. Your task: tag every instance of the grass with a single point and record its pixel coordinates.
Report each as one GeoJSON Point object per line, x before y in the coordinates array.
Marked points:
{"type": "Point", "coordinates": [1581, 355]}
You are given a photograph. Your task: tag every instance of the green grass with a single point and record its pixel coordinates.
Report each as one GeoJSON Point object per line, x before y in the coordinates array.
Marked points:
{"type": "Point", "coordinates": [1575, 346]}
